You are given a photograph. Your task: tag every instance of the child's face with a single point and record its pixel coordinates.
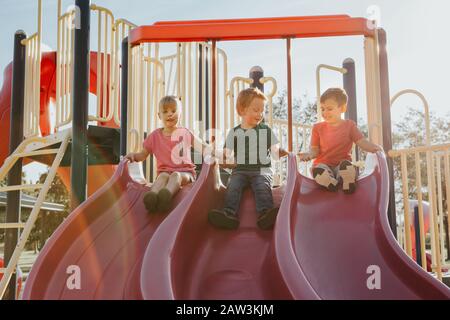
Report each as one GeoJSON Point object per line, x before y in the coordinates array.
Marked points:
{"type": "Point", "coordinates": [254, 113]}
{"type": "Point", "coordinates": [169, 115]}
{"type": "Point", "coordinates": [331, 111]}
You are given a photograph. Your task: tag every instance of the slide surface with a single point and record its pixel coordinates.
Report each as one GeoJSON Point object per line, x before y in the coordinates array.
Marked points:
{"type": "Point", "coordinates": [102, 241]}
{"type": "Point", "coordinates": [190, 259]}
{"type": "Point", "coordinates": [340, 246]}
{"type": "Point", "coordinates": [324, 246]}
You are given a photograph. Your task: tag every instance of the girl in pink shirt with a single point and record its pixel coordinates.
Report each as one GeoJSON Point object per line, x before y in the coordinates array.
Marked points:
{"type": "Point", "coordinates": [331, 143]}
{"type": "Point", "coordinates": [171, 146]}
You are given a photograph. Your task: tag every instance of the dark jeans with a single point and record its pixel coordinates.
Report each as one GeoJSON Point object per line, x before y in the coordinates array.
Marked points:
{"type": "Point", "coordinates": [261, 184]}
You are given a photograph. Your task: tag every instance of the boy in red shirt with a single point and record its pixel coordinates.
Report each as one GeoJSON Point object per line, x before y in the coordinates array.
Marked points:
{"type": "Point", "coordinates": [331, 144]}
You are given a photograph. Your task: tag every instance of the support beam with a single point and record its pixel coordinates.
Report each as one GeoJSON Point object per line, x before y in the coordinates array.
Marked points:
{"type": "Point", "coordinates": [387, 124]}
{"type": "Point", "coordinates": [289, 92]}
{"type": "Point", "coordinates": [16, 136]}
{"type": "Point", "coordinates": [124, 99]}
{"type": "Point", "coordinates": [80, 107]}
{"type": "Point", "coordinates": [256, 73]}
{"type": "Point", "coordinates": [349, 81]}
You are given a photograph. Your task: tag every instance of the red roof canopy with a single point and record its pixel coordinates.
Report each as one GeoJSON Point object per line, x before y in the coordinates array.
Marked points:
{"type": "Point", "coordinates": [251, 29]}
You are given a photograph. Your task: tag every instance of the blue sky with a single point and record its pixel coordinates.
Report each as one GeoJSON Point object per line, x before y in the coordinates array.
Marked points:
{"type": "Point", "coordinates": [417, 30]}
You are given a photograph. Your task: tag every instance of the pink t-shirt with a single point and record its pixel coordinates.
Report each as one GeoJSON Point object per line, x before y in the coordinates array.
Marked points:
{"type": "Point", "coordinates": [172, 153]}
{"type": "Point", "coordinates": [334, 142]}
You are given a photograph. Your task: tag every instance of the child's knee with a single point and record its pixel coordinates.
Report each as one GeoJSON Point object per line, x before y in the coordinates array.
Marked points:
{"type": "Point", "coordinates": [235, 183]}
{"type": "Point", "coordinates": [175, 176]}
{"type": "Point", "coordinates": [164, 176]}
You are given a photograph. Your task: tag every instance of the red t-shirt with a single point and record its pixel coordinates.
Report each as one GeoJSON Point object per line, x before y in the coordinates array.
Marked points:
{"type": "Point", "coordinates": [172, 153]}
{"type": "Point", "coordinates": [335, 142]}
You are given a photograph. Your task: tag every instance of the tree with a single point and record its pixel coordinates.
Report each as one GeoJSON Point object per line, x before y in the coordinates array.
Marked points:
{"type": "Point", "coordinates": [410, 133]}
{"type": "Point", "coordinates": [303, 110]}
{"type": "Point", "coordinates": [47, 221]}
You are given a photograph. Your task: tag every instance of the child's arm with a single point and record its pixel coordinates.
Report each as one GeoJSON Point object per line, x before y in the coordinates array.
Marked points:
{"type": "Point", "coordinates": [201, 146]}
{"type": "Point", "coordinates": [307, 156]}
{"type": "Point", "coordinates": [278, 152]}
{"type": "Point", "coordinates": [226, 158]}
{"type": "Point", "coordinates": [137, 156]}
{"type": "Point", "coordinates": [368, 146]}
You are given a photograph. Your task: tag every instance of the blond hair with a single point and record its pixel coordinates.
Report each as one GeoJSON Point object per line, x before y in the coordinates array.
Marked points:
{"type": "Point", "coordinates": [337, 94]}
{"type": "Point", "coordinates": [246, 97]}
{"type": "Point", "coordinates": [169, 101]}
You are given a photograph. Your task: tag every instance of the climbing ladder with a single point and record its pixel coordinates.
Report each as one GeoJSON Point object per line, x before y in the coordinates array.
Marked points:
{"type": "Point", "coordinates": [31, 147]}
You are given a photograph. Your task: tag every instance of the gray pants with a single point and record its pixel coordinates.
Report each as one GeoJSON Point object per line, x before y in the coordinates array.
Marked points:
{"type": "Point", "coordinates": [261, 184]}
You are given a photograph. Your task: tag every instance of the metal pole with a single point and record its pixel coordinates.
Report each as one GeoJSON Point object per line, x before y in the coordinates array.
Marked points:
{"type": "Point", "coordinates": [15, 138]}
{"type": "Point", "coordinates": [200, 87]}
{"type": "Point", "coordinates": [256, 73]}
{"type": "Point", "coordinates": [213, 86]}
{"type": "Point", "coordinates": [124, 99]}
{"type": "Point", "coordinates": [289, 92]}
{"type": "Point", "coordinates": [417, 232]}
{"type": "Point", "coordinates": [349, 80]}
{"type": "Point", "coordinates": [80, 105]}
{"type": "Point", "coordinates": [206, 88]}
{"type": "Point", "coordinates": [386, 121]}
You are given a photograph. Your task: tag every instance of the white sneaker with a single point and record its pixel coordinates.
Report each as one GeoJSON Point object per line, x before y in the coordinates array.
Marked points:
{"type": "Point", "coordinates": [325, 179]}
{"type": "Point", "coordinates": [347, 173]}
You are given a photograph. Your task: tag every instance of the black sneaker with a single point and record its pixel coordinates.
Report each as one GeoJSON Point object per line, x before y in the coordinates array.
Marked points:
{"type": "Point", "coordinates": [222, 219]}
{"type": "Point", "coordinates": [347, 173]}
{"type": "Point", "coordinates": [325, 179]}
{"type": "Point", "coordinates": [267, 219]}
{"type": "Point", "coordinates": [151, 201]}
{"type": "Point", "coordinates": [164, 200]}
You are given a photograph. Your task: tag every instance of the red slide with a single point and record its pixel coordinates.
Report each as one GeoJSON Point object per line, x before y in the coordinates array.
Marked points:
{"type": "Point", "coordinates": [324, 246]}
{"type": "Point", "coordinates": [189, 259]}
{"type": "Point", "coordinates": [340, 246]}
{"type": "Point", "coordinates": [104, 240]}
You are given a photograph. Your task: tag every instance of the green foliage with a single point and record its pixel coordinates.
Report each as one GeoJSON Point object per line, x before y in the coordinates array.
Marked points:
{"type": "Point", "coordinates": [48, 221]}
{"type": "Point", "coordinates": [303, 111]}
{"type": "Point", "coordinates": [410, 133]}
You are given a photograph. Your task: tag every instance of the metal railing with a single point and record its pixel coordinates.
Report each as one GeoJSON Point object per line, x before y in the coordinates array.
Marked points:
{"type": "Point", "coordinates": [121, 30]}
{"type": "Point", "coordinates": [105, 45]}
{"type": "Point", "coordinates": [33, 79]}
{"type": "Point", "coordinates": [301, 138]}
{"type": "Point", "coordinates": [30, 147]}
{"type": "Point", "coordinates": [435, 181]}
{"type": "Point", "coordinates": [110, 33]}
{"type": "Point", "coordinates": [237, 84]}
{"type": "Point", "coordinates": [152, 76]}
{"type": "Point", "coordinates": [433, 156]}
{"type": "Point", "coordinates": [64, 67]}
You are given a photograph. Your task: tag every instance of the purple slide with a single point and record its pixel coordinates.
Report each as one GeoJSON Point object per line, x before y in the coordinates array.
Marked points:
{"type": "Point", "coordinates": [105, 238]}
{"type": "Point", "coordinates": [338, 246]}
{"type": "Point", "coordinates": [324, 246]}
{"type": "Point", "coordinates": [189, 259]}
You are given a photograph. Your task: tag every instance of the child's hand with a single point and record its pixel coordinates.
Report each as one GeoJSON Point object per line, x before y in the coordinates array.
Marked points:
{"type": "Point", "coordinates": [304, 156]}
{"type": "Point", "coordinates": [375, 148]}
{"type": "Point", "coordinates": [132, 157]}
{"type": "Point", "coordinates": [228, 165]}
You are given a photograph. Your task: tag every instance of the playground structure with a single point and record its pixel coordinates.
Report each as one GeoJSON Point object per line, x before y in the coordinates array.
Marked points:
{"type": "Point", "coordinates": [130, 254]}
